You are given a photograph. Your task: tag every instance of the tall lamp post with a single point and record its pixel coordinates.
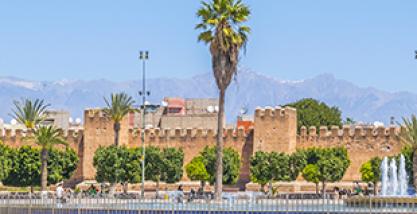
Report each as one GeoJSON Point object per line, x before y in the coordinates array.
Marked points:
{"type": "Point", "coordinates": [143, 56]}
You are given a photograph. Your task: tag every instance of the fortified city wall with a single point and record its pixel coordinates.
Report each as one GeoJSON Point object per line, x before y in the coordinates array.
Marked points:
{"type": "Point", "coordinates": [275, 129]}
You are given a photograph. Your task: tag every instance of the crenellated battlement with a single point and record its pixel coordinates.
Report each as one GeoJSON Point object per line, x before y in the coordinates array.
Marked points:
{"type": "Point", "coordinates": [186, 133]}
{"type": "Point", "coordinates": [17, 135]}
{"type": "Point", "coordinates": [357, 132]}
{"type": "Point", "coordinates": [276, 113]}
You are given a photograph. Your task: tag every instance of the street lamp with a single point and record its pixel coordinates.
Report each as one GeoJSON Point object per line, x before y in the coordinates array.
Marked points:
{"type": "Point", "coordinates": [143, 56]}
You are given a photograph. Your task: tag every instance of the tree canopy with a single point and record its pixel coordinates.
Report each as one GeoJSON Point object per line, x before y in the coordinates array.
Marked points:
{"type": "Point", "coordinates": [311, 112]}
{"type": "Point", "coordinates": [26, 166]}
{"type": "Point", "coordinates": [231, 164]}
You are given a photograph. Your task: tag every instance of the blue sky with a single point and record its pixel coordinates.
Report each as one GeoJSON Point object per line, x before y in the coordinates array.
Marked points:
{"type": "Point", "coordinates": [370, 43]}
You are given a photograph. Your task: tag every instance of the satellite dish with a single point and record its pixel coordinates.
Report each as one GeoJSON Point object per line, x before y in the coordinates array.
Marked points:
{"type": "Point", "coordinates": [164, 104]}
{"type": "Point", "coordinates": [13, 122]}
{"type": "Point", "coordinates": [78, 121]}
{"type": "Point", "coordinates": [70, 120]}
{"type": "Point", "coordinates": [378, 124]}
{"type": "Point", "coordinates": [210, 109]}
{"type": "Point", "coordinates": [147, 103]}
{"type": "Point", "coordinates": [243, 111]}
{"type": "Point", "coordinates": [216, 108]}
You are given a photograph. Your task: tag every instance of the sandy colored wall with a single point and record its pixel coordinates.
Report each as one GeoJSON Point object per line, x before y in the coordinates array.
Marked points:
{"type": "Point", "coordinates": [362, 144]}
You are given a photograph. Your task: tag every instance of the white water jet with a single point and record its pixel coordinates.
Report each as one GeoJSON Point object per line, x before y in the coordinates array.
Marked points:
{"type": "Point", "coordinates": [403, 178]}
{"type": "Point", "coordinates": [384, 176]}
{"type": "Point", "coordinates": [394, 181]}
{"type": "Point", "coordinates": [393, 178]}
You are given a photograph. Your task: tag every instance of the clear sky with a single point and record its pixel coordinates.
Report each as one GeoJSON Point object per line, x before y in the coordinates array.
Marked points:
{"type": "Point", "coordinates": [368, 42]}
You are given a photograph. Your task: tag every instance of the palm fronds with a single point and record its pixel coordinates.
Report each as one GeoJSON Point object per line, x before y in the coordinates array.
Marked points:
{"type": "Point", "coordinates": [29, 112]}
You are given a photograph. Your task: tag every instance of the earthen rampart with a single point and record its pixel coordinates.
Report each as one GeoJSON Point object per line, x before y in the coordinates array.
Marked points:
{"type": "Point", "coordinates": [362, 143]}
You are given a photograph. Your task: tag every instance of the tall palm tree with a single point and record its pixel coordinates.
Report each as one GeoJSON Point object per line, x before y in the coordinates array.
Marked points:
{"type": "Point", "coordinates": [47, 137]}
{"type": "Point", "coordinates": [118, 107]}
{"type": "Point", "coordinates": [223, 30]}
{"type": "Point", "coordinates": [29, 112]}
{"type": "Point", "coordinates": [408, 135]}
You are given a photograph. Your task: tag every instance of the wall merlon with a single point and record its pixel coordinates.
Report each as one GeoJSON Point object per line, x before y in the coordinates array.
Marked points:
{"type": "Point", "coordinates": [312, 131]}
{"type": "Point", "coordinates": [348, 132]}
{"type": "Point", "coordinates": [323, 132]}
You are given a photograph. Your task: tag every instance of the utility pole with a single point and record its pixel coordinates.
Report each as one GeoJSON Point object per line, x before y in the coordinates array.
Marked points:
{"type": "Point", "coordinates": [143, 56]}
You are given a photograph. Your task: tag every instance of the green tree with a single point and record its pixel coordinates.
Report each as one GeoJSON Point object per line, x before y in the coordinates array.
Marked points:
{"type": "Point", "coordinates": [29, 112]}
{"type": "Point", "coordinates": [117, 108]}
{"type": "Point", "coordinates": [47, 137]}
{"type": "Point", "coordinates": [371, 171]}
{"type": "Point", "coordinates": [196, 170]}
{"type": "Point", "coordinates": [134, 166]}
{"type": "Point", "coordinates": [408, 136]}
{"type": "Point", "coordinates": [260, 169]}
{"type": "Point", "coordinates": [311, 174]}
{"type": "Point", "coordinates": [231, 164]}
{"type": "Point", "coordinates": [154, 165]}
{"type": "Point", "coordinates": [61, 164]}
{"type": "Point", "coordinates": [6, 155]}
{"type": "Point", "coordinates": [331, 169]}
{"type": "Point", "coordinates": [222, 28]}
{"type": "Point", "coordinates": [173, 160]}
{"type": "Point", "coordinates": [311, 112]}
{"type": "Point", "coordinates": [270, 167]}
{"type": "Point", "coordinates": [298, 161]}
{"type": "Point", "coordinates": [331, 163]}
{"type": "Point", "coordinates": [26, 164]}
{"type": "Point", "coordinates": [111, 165]}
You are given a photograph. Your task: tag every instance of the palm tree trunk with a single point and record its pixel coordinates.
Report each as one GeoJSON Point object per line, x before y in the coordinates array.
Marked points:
{"type": "Point", "coordinates": [44, 169]}
{"type": "Point", "coordinates": [324, 189]}
{"type": "Point", "coordinates": [116, 128]}
{"type": "Point", "coordinates": [219, 148]}
{"type": "Point", "coordinates": [415, 168]}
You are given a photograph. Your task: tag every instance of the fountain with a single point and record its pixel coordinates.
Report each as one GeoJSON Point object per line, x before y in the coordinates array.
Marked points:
{"type": "Point", "coordinates": [394, 181]}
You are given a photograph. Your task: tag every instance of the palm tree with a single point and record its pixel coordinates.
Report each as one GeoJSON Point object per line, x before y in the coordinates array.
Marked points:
{"type": "Point", "coordinates": [408, 135]}
{"type": "Point", "coordinates": [29, 112]}
{"type": "Point", "coordinates": [118, 107]}
{"type": "Point", "coordinates": [222, 28]}
{"type": "Point", "coordinates": [47, 137]}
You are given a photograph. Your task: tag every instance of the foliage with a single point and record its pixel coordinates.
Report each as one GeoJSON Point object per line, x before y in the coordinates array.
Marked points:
{"type": "Point", "coordinates": [6, 155]}
{"type": "Point", "coordinates": [118, 106]}
{"type": "Point", "coordinates": [231, 164]}
{"type": "Point", "coordinates": [26, 164]}
{"type": "Point", "coordinates": [153, 164]}
{"type": "Point", "coordinates": [325, 164]}
{"type": "Point", "coordinates": [371, 171]}
{"type": "Point", "coordinates": [222, 28]}
{"type": "Point", "coordinates": [196, 169]}
{"type": "Point", "coordinates": [173, 160]}
{"type": "Point", "coordinates": [119, 164]}
{"type": "Point", "coordinates": [408, 136]}
{"type": "Point", "coordinates": [133, 166]}
{"type": "Point", "coordinates": [222, 24]}
{"type": "Point", "coordinates": [268, 167]}
{"type": "Point", "coordinates": [110, 163]}
{"type": "Point", "coordinates": [311, 173]}
{"type": "Point", "coordinates": [29, 112]}
{"type": "Point", "coordinates": [26, 167]}
{"type": "Point", "coordinates": [298, 161]}
{"type": "Point", "coordinates": [48, 136]}
{"type": "Point", "coordinates": [61, 164]}
{"type": "Point", "coordinates": [260, 168]}
{"type": "Point", "coordinates": [311, 112]}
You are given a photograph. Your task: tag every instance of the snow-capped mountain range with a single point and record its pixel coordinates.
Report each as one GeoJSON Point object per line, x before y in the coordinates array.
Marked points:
{"type": "Point", "coordinates": [249, 90]}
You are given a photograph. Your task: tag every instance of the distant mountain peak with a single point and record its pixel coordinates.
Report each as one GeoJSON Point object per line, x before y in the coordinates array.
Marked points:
{"type": "Point", "coordinates": [250, 89]}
